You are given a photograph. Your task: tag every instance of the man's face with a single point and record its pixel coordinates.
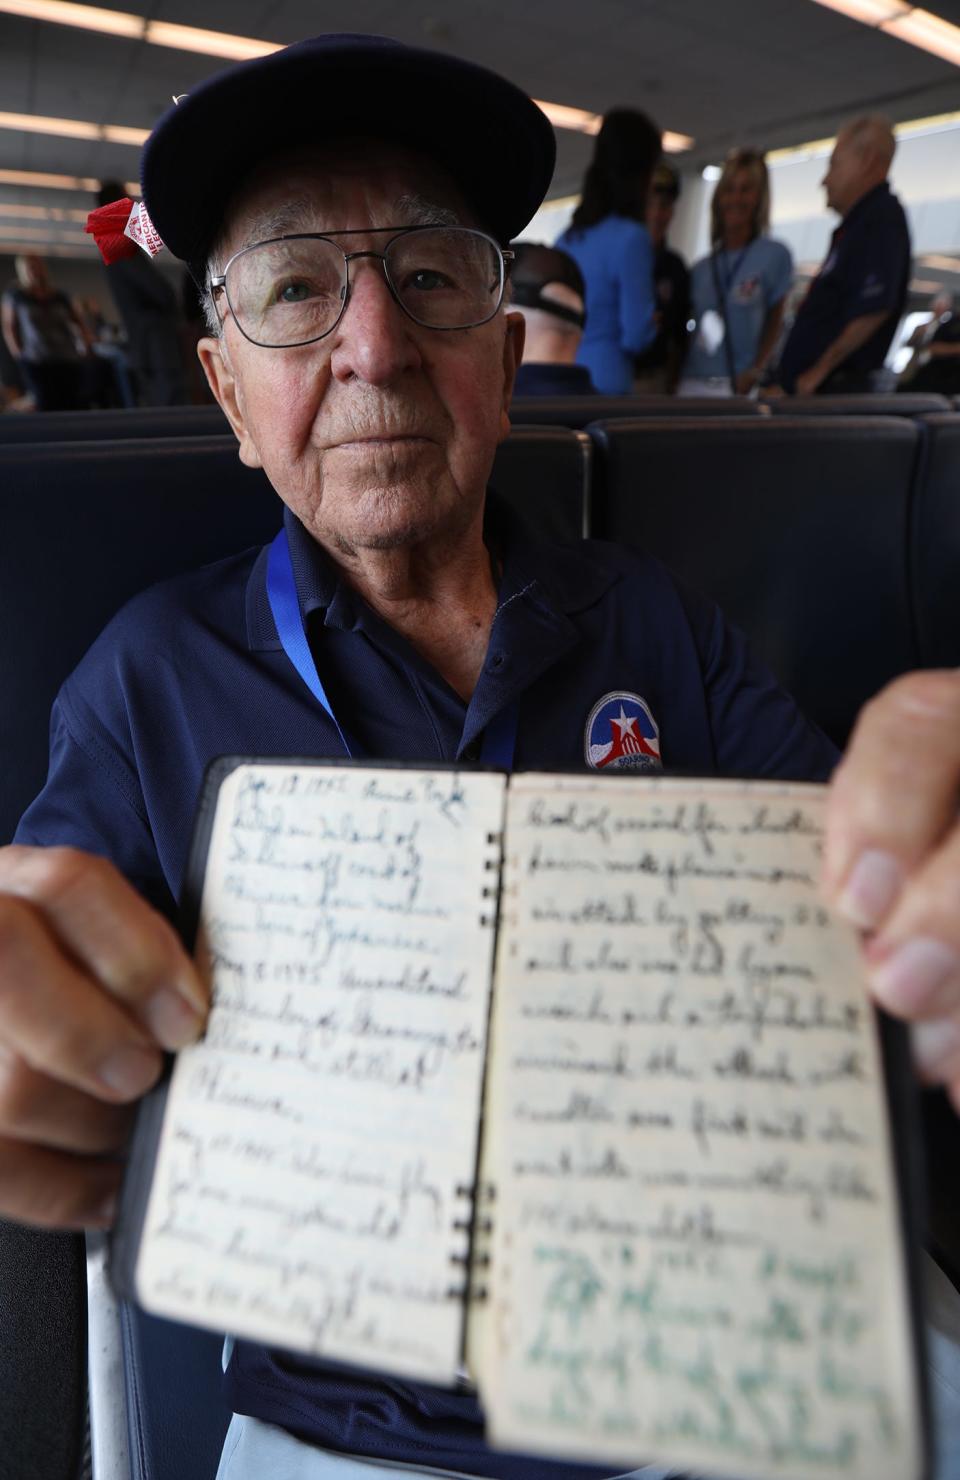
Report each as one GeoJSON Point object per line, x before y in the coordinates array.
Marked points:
{"type": "Point", "coordinates": [844, 174]}
{"type": "Point", "coordinates": [382, 434]}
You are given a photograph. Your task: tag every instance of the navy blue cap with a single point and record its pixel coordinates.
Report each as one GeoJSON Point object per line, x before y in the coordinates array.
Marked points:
{"type": "Point", "coordinates": [491, 137]}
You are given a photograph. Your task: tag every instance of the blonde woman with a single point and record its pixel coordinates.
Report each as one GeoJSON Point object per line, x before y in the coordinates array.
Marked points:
{"type": "Point", "coordinates": [739, 291]}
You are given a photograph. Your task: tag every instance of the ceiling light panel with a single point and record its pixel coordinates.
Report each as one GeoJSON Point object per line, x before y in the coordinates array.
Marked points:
{"type": "Point", "coordinates": [869, 12]}
{"type": "Point", "coordinates": [73, 128]}
{"type": "Point", "coordinates": [41, 213]}
{"type": "Point", "coordinates": [87, 17]}
{"type": "Point", "coordinates": [909, 23]}
{"type": "Point", "coordinates": [929, 33]}
{"type": "Point", "coordinates": [36, 179]}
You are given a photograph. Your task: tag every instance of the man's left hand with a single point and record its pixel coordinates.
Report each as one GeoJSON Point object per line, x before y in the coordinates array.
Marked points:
{"type": "Point", "coordinates": [892, 860]}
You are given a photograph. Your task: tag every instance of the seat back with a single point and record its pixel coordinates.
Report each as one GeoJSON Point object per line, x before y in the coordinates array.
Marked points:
{"type": "Point", "coordinates": [544, 473]}
{"type": "Point", "coordinates": [935, 544]}
{"type": "Point", "coordinates": [901, 403]}
{"type": "Point", "coordinates": [112, 425]}
{"type": "Point", "coordinates": [85, 525]}
{"type": "Point", "coordinates": [796, 527]}
{"type": "Point", "coordinates": [578, 411]}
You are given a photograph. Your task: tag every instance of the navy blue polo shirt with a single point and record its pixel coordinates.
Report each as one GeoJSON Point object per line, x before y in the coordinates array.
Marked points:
{"type": "Point", "coordinates": [866, 270]}
{"type": "Point", "coordinates": [539, 378]}
{"type": "Point", "coordinates": [193, 669]}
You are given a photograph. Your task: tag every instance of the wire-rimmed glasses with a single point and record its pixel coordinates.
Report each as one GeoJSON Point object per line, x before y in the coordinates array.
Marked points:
{"type": "Point", "coordinates": [292, 290]}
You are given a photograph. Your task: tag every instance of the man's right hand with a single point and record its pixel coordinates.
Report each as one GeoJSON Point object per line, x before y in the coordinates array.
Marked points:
{"type": "Point", "coordinates": [94, 984]}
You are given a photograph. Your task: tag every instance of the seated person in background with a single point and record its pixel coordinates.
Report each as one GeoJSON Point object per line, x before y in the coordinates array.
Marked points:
{"type": "Point", "coordinates": [658, 368]}
{"type": "Point", "coordinates": [47, 341]}
{"type": "Point", "coordinates": [438, 622]}
{"type": "Point", "coordinates": [740, 290]}
{"type": "Point", "coordinates": [844, 325]}
{"type": "Point", "coordinates": [611, 245]}
{"type": "Point", "coordinates": [546, 286]}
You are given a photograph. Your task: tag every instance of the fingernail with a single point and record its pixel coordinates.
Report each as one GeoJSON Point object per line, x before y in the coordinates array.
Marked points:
{"type": "Point", "coordinates": [190, 992]}
{"type": "Point", "coordinates": [870, 890]}
{"type": "Point", "coordinates": [172, 1021]}
{"type": "Point", "coordinates": [129, 1071]}
{"type": "Point", "coordinates": [908, 980]}
{"type": "Point", "coordinates": [934, 1043]}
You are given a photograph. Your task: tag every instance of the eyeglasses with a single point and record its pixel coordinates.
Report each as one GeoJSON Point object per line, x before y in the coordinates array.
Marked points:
{"type": "Point", "coordinates": [293, 290]}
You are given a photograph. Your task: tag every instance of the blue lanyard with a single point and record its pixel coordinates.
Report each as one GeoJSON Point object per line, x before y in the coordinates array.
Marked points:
{"type": "Point", "coordinates": [500, 736]}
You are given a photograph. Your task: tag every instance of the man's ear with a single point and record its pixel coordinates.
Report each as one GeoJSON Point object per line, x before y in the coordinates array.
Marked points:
{"type": "Point", "coordinates": [516, 330]}
{"type": "Point", "coordinates": [222, 380]}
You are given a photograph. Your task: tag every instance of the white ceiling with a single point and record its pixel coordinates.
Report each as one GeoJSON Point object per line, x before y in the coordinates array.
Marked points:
{"type": "Point", "coordinates": [766, 72]}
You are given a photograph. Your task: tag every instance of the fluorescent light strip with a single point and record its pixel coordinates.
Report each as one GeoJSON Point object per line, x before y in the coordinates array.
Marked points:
{"type": "Point", "coordinates": [39, 234]}
{"type": "Point", "coordinates": [20, 248]}
{"type": "Point", "coordinates": [868, 12]}
{"type": "Point", "coordinates": [928, 33]}
{"type": "Point", "coordinates": [244, 48]}
{"type": "Point", "coordinates": [73, 128]}
{"type": "Point", "coordinates": [939, 262]}
{"type": "Point", "coordinates": [909, 23]}
{"type": "Point", "coordinates": [35, 178]}
{"type": "Point", "coordinates": [41, 213]}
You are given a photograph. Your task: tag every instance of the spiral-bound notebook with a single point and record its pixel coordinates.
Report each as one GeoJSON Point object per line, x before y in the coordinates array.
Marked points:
{"type": "Point", "coordinates": [568, 1083]}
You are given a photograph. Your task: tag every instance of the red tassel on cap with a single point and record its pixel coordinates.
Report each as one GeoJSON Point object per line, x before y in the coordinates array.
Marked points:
{"type": "Point", "coordinates": [107, 225]}
{"type": "Point", "coordinates": [120, 228]}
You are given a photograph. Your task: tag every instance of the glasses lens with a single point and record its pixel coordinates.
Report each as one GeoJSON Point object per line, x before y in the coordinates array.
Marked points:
{"type": "Point", "coordinates": [446, 277]}
{"type": "Point", "coordinates": [286, 292]}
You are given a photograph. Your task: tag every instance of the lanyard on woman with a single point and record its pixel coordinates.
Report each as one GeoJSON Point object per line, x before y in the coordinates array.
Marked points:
{"type": "Point", "coordinates": [500, 736]}
{"type": "Point", "coordinates": [738, 261]}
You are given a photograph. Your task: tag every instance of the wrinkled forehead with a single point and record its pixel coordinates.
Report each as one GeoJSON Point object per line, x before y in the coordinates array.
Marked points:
{"type": "Point", "coordinates": [348, 185]}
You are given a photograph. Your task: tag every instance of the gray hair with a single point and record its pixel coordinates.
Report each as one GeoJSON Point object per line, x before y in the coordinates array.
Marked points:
{"type": "Point", "coordinates": [872, 131]}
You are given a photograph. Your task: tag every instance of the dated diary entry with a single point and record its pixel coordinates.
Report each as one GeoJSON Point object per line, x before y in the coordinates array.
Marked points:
{"type": "Point", "coordinates": [317, 1143]}
{"type": "Point", "coordinates": [696, 1255]}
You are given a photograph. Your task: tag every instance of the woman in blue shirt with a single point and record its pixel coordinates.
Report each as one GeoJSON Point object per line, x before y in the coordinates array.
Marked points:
{"type": "Point", "coordinates": [610, 244]}
{"type": "Point", "coordinates": [740, 290]}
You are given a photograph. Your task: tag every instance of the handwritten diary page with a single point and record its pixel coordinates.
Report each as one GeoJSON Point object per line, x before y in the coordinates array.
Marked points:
{"type": "Point", "coordinates": [695, 1248]}
{"type": "Point", "coordinates": [319, 1142]}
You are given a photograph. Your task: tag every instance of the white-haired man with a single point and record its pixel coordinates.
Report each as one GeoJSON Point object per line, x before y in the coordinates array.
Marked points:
{"type": "Point", "coordinates": [844, 325]}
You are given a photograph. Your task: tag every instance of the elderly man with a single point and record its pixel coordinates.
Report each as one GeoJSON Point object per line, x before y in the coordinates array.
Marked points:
{"type": "Point", "coordinates": [844, 325]}
{"type": "Point", "coordinates": [362, 353]}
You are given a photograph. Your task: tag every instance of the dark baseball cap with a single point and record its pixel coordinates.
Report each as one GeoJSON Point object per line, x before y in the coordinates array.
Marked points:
{"type": "Point", "coordinates": [491, 137]}
{"type": "Point", "coordinates": [535, 266]}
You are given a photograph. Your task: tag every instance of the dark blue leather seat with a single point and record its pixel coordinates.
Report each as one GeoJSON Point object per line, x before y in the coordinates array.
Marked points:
{"type": "Point", "coordinates": [797, 527]}
{"type": "Point", "coordinates": [901, 403]}
{"type": "Point", "coordinates": [104, 426]}
{"type": "Point", "coordinates": [935, 544]}
{"type": "Point", "coordinates": [577, 411]}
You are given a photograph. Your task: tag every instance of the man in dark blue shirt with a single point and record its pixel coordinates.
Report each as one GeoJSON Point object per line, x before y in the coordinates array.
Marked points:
{"type": "Point", "coordinates": [351, 257]}
{"type": "Point", "coordinates": [844, 325]}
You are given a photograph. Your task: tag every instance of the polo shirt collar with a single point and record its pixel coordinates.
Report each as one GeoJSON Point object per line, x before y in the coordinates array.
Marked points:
{"type": "Point", "coordinates": [866, 202]}
{"type": "Point", "coordinates": [560, 577]}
